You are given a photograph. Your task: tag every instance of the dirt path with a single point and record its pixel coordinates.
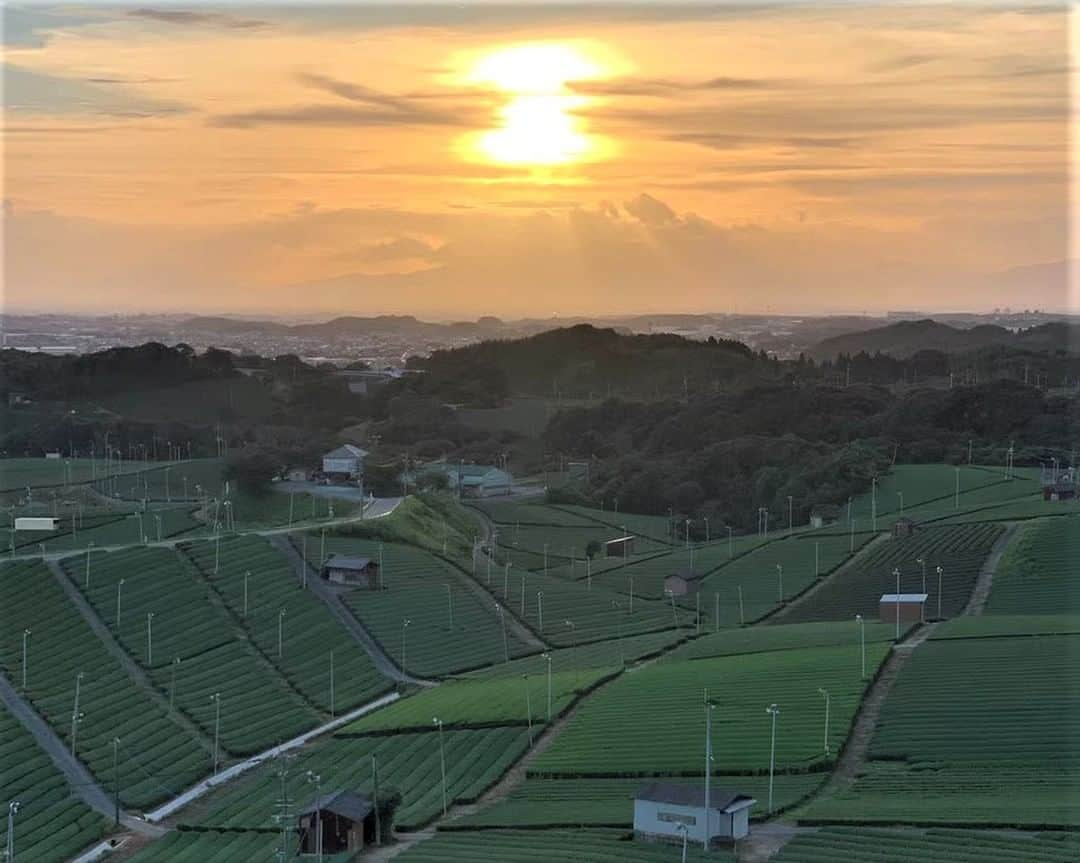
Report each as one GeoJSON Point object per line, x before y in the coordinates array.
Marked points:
{"type": "Point", "coordinates": [765, 840]}
{"type": "Point", "coordinates": [337, 608]}
{"type": "Point", "coordinates": [853, 755]}
{"type": "Point", "coordinates": [133, 670]}
{"type": "Point", "coordinates": [777, 614]}
{"type": "Point", "coordinates": [981, 592]}
{"type": "Point", "coordinates": [81, 782]}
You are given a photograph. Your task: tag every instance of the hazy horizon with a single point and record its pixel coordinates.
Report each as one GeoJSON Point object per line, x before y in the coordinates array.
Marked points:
{"type": "Point", "coordinates": [451, 162]}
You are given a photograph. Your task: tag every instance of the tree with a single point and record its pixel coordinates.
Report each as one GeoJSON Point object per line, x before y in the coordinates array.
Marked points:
{"type": "Point", "coordinates": [252, 469]}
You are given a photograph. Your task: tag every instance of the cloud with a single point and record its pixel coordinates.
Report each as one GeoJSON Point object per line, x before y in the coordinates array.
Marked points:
{"type": "Point", "coordinates": [670, 88]}
{"type": "Point", "coordinates": [372, 108]}
{"type": "Point", "coordinates": [330, 115]}
{"type": "Point", "coordinates": [27, 27]}
{"type": "Point", "coordinates": [30, 92]}
{"type": "Point", "coordinates": [188, 18]}
{"type": "Point", "coordinates": [400, 249]}
{"type": "Point", "coordinates": [651, 211]}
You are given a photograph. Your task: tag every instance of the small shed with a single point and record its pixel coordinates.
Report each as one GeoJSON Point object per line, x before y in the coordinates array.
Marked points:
{"type": "Point", "coordinates": [661, 809]}
{"type": "Point", "coordinates": [622, 546]}
{"type": "Point", "coordinates": [902, 527]}
{"type": "Point", "coordinates": [823, 514]}
{"type": "Point", "coordinates": [344, 569]}
{"type": "Point", "coordinates": [298, 474]}
{"type": "Point", "coordinates": [1062, 489]}
{"type": "Point", "coordinates": [348, 822]}
{"type": "Point", "coordinates": [912, 607]}
{"type": "Point", "coordinates": [682, 583]}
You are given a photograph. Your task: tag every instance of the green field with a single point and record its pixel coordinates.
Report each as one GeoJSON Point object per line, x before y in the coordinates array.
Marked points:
{"type": "Point", "coordinates": [612, 653]}
{"type": "Point", "coordinates": [105, 528]}
{"type": "Point", "coordinates": [650, 721]}
{"type": "Point", "coordinates": [16, 474]}
{"type": "Point", "coordinates": [51, 824]}
{"type": "Point", "coordinates": [416, 589]}
{"type": "Point", "coordinates": [190, 623]}
{"type": "Point", "coordinates": [868, 845]}
{"type": "Point", "coordinates": [929, 492]}
{"type": "Point", "coordinates": [407, 763]}
{"type": "Point", "coordinates": [556, 846]}
{"type": "Point", "coordinates": [480, 702]}
{"type": "Point", "coordinates": [959, 550]}
{"type": "Point", "coordinates": [610, 802]}
{"type": "Point", "coordinates": [309, 634]}
{"type": "Point", "coordinates": [158, 757]}
{"type": "Point", "coordinates": [575, 613]}
{"type": "Point", "coordinates": [976, 730]}
{"type": "Point", "coordinates": [796, 636]}
{"type": "Point", "coordinates": [1037, 574]}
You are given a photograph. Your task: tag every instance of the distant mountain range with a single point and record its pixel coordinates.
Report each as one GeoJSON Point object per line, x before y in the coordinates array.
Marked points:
{"type": "Point", "coordinates": [905, 338]}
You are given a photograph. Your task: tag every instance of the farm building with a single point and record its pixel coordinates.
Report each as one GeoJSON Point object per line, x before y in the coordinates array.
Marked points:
{"type": "Point", "coordinates": [912, 607]}
{"type": "Point", "coordinates": [662, 808]}
{"type": "Point", "coordinates": [365, 381]}
{"type": "Point", "coordinates": [622, 546]}
{"type": "Point", "coordinates": [470, 480]}
{"type": "Point", "coordinates": [342, 569]}
{"type": "Point", "coordinates": [345, 462]}
{"type": "Point", "coordinates": [298, 474]}
{"type": "Point", "coordinates": [348, 822]}
{"type": "Point", "coordinates": [903, 526]}
{"type": "Point", "coordinates": [1059, 485]}
{"type": "Point", "coordinates": [685, 581]}
{"type": "Point", "coordinates": [823, 514]}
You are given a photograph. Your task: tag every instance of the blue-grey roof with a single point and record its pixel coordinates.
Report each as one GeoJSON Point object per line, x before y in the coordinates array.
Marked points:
{"type": "Point", "coordinates": [347, 804]}
{"type": "Point", "coordinates": [678, 794]}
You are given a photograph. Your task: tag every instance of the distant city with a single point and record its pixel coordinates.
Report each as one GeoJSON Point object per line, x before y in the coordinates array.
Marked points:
{"type": "Point", "coordinates": [388, 341]}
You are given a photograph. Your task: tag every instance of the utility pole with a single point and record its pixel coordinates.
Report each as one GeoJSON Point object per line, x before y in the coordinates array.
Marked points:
{"type": "Point", "coordinates": [116, 780]}
{"type": "Point", "coordinates": [709, 707]}
{"type": "Point", "coordinates": [375, 798]}
{"type": "Point", "coordinates": [547, 659]}
{"type": "Point", "coordinates": [896, 572]}
{"type": "Point", "coordinates": [13, 810]}
{"type": "Point", "coordinates": [862, 642]}
{"type": "Point", "coordinates": [773, 712]}
{"type": "Point", "coordinates": [939, 572]}
{"type": "Point", "coordinates": [404, 625]}
{"type": "Point", "coordinates": [317, 780]}
{"type": "Point", "coordinates": [331, 683]}
{"type": "Point", "coordinates": [216, 698]}
{"type": "Point", "coordinates": [442, 760]}
{"type": "Point", "coordinates": [528, 707]}
{"type": "Point", "coordinates": [825, 694]}
{"type": "Point", "coordinates": [25, 654]}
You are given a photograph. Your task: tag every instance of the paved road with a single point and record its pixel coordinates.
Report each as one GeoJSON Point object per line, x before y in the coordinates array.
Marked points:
{"type": "Point", "coordinates": [332, 598]}
{"type": "Point", "coordinates": [82, 784]}
{"type": "Point", "coordinates": [379, 508]}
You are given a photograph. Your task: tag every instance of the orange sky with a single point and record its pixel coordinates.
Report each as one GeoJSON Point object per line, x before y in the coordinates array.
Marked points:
{"type": "Point", "coordinates": [365, 160]}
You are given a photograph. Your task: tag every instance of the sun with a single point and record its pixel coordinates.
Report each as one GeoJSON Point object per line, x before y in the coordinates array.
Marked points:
{"type": "Point", "coordinates": [540, 121]}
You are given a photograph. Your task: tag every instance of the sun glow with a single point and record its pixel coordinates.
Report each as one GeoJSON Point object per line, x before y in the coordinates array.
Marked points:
{"type": "Point", "coordinates": [540, 123]}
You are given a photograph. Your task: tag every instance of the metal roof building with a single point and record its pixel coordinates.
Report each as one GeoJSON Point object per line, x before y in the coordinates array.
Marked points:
{"type": "Point", "coordinates": [665, 810]}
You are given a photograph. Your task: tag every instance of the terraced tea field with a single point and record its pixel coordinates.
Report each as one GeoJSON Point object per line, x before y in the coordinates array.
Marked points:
{"type": "Point", "coordinates": [480, 703]}
{"type": "Point", "coordinates": [650, 722]}
{"type": "Point", "coordinates": [796, 636]}
{"type": "Point", "coordinates": [18, 473]}
{"type": "Point", "coordinates": [408, 763]}
{"type": "Point", "coordinates": [157, 755]}
{"type": "Point", "coordinates": [420, 588]}
{"type": "Point", "coordinates": [554, 803]}
{"type": "Point", "coordinates": [612, 653]}
{"type": "Point", "coordinates": [959, 550]}
{"type": "Point", "coordinates": [556, 846]}
{"type": "Point", "coordinates": [51, 825]}
{"type": "Point", "coordinates": [190, 624]}
{"type": "Point", "coordinates": [309, 634]}
{"type": "Point", "coordinates": [1037, 574]}
{"type": "Point", "coordinates": [928, 766]}
{"type": "Point", "coordinates": [574, 613]}
{"type": "Point", "coordinates": [868, 845]}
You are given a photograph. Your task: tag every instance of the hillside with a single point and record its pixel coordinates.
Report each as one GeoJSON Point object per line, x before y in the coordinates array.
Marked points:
{"type": "Point", "coordinates": [906, 338]}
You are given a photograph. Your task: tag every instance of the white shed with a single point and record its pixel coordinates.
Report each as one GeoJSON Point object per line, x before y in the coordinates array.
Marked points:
{"type": "Point", "coordinates": [347, 460]}
{"type": "Point", "coordinates": [661, 809]}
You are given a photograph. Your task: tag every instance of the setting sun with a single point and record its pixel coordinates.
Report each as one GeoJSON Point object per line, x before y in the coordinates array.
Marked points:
{"type": "Point", "coordinates": [538, 124]}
